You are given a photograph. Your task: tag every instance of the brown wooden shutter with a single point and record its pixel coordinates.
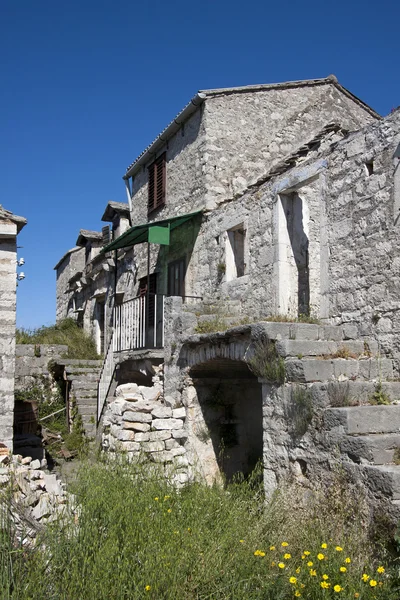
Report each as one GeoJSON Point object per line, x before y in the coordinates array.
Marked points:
{"type": "Point", "coordinates": [157, 179]}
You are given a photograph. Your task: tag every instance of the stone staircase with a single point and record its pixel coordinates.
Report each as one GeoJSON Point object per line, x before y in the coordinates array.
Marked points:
{"type": "Point", "coordinates": [83, 377]}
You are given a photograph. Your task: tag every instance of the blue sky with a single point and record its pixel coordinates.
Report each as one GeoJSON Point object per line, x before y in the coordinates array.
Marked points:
{"type": "Point", "coordinates": [86, 85]}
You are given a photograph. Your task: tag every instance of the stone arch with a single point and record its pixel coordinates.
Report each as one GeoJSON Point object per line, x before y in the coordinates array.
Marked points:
{"type": "Point", "coordinates": [224, 414]}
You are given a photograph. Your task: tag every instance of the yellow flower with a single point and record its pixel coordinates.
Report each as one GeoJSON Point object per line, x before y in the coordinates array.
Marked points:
{"type": "Point", "coordinates": [297, 594]}
{"type": "Point", "coordinates": [320, 556]}
{"type": "Point", "coordinates": [241, 541]}
{"type": "Point", "coordinates": [169, 510]}
{"type": "Point", "coordinates": [272, 548]}
{"type": "Point", "coordinates": [292, 580]}
{"type": "Point", "coordinates": [373, 583]}
{"type": "Point", "coordinates": [313, 572]}
{"type": "Point", "coordinates": [306, 553]}
{"type": "Point", "coordinates": [303, 557]}
{"type": "Point", "coordinates": [147, 588]}
{"type": "Point", "coordinates": [380, 570]}
{"type": "Point", "coordinates": [259, 553]}
{"type": "Point", "coordinates": [337, 588]}
{"type": "Point", "coordinates": [356, 595]}
{"type": "Point", "coordinates": [189, 530]}
{"type": "Point", "coordinates": [348, 561]}
{"type": "Point", "coordinates": [343, 569]}
{"type": "Point", "coordinates": [284, 544]}
{"type": "Point", "coordinates": [281, 565]}
{"type": "Point", "coordinates": [298, 570]}
{"type": "Point", "coordinates": [365, 577]}
{"type": "Point", "coordinates": [324, 545]}
{"type": "Point", "coordinates": [166, 498]}
{"type": "Point", "coordinates": [287, 556]}
{"type": "Point", "coordinates": [310, 563]}
{"type": "Point", "coordinates": [339, 549]}
{"type": "Point", "coordinates": [273, 564]}
{"type": "Point", "coordinates": [156, 498]}
{"type": "Point", "coordinates": [325, 585]}
{"type": "Point", "coordinates": [302, 586]}
{"type": "Point", "coordinates": [324, 576]}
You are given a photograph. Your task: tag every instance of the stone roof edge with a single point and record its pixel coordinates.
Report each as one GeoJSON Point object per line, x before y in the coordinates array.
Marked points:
{"type": "Point", "coordinates": [74, 249]}
{"type": "Point", "coordinates": [9, 216]}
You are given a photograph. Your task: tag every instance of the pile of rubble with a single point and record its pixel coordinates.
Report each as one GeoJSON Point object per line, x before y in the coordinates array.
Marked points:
{"type": "Point", "coordinates": [30, 495]}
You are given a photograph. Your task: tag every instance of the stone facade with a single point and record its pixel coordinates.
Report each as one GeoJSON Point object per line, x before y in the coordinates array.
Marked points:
{"type": "Point", "coordinates": [298, 188]}
{"type": "Point", "coordinates": [10, 226]}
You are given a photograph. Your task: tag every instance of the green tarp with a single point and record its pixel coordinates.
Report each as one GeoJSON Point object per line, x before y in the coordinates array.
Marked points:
{"type": "Point", "coordinates": [157, 232]}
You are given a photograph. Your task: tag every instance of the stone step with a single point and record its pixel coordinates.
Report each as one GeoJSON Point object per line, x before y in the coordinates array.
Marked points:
{"type": "Point", "coordinates": [301, 348]}
{"type": "Point", "coordinates": [360, 392]}
{"type": "Point", "coordinates": [87, 409]}
{"type": "Point", "coordinates": [80, 373]}
{"type": "Point", "coordinates": [78, 362]}
{"type": "Point", "coordinates": [362, 420]}
{"type": "Point", "coordinates": [84, 385]}
{"type": "Point", "coordinates": [384, 479]}
{"type": "Point", "coordinates": [318, 369]}
{"type": "Point", "coordinates": [378, 449]}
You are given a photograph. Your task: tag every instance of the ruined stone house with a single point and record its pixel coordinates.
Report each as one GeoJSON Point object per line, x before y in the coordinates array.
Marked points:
{"type": "Point", "coordinates": [255, 201]}
{"type": "Point", "coordinates": [10, 226]}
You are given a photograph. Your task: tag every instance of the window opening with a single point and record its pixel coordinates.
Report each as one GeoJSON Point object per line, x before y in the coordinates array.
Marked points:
{"type": "Point", "coordinates": [156, 188]}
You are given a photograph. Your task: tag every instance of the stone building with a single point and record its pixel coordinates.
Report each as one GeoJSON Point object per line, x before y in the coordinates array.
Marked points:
{"type": "Point", "coordinates": [10, 226]}
{"type": "Point", "coordinates": [264, 201]}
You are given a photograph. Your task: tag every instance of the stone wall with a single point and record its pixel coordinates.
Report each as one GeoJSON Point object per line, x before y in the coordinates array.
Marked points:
{"type": "Point", "coordinates": [32, 362]}
{"type": "Point", "coordinates": [10, 225]}
{"type": "Point", "coordinates": [72, 262]}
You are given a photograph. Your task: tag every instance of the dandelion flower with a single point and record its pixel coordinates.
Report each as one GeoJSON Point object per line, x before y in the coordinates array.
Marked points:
{"type": "Point", "coordinates": [365, 577]}
{"type": "Point", "coordinates": [380, 570]}
{"type": "Point", "coordinates": [241, 541]}
{"type": "Point", "coordinates": [166, 498]}
{"type": "Point", "coordinates": [287, 556]}
{"type": "Point", "coordinates": [147, 588]}
{"type": "Point", "coordinates": [156, 498]}
{"type": "Point", "coordinates": [169, 510]}
{"type": "Point", "coordinates": [292, 580]}
{"type": "Point", "coordinates": [310, 563]}
{"type": "Point", "coordinates": [281, 565]}
{"type": "Point", "coordinates": [325, 576]}
{"type": "Point", "coordinates": [306, 553]}
{"type": "Point", "coordinates": [298, 570]}
{"type": "Point", "coordinates": [303, 557]}
{"type": "Point", "coordinates": [313, 572]}
{"type": "Point", "coordinates": [272, 548]}
{"type": "Point", "coordinates": [320, 556]}
{"type": "Point", "coordinates": [284, 544]}
{"type": "Point", "coordinates": [324, 546]}
{"type": "Point", "coordinates": [337, 588]}
{"type": "Point", "coordinates": [356, 595]}
{"type": "Point", "coordinates": [325, 585]}
{"type": "Point", "coordinates": [348, 561]}
{"type": "Point", "coordinates": [373, 583]}
{"type": "Point", "coordinates": [297, 594]}
{"type": "Point", "coordinates": [339, 549]}
{"type": "Point", "coordinates": [259, 553]}
{"type": "Point", "coordinates": [343, 569]}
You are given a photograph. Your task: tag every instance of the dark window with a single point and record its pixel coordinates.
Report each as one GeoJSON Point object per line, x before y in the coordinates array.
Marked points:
{"type": "Point", "coordinates": [156, 184]}
{"type": "Point", "coordinates": [176, 278]}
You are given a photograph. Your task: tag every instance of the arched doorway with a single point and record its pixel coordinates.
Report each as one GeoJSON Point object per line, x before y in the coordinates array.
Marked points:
{"type": "Point", "coordinates": [230, 420]}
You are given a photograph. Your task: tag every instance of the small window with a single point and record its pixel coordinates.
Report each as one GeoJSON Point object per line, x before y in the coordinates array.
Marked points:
{"type": "Point", "coordinates": [151, 295]}
{"type": "Point", "coordinates": [235, 251]}
{"type": "Point", "coordinates": [156, 198]}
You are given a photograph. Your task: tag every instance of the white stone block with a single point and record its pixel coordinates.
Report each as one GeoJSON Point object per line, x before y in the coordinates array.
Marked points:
{"type": "Point", "coordinates": [179, 413]}
{"type": "Point", "coordinates": [162, 412]}
{"type": "Point", "coordinates": [167, 424]}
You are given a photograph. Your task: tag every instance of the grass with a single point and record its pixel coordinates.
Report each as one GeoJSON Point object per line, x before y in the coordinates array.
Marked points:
{"type": "Point", "coordinates": [300, 410]}
{"type": "Point", "coordinates": [339, 394]}
{"type": "Point", "coordinates": [66, 332]}
{"type": "Point", "coordinates": [136, 537]}
{"type": "Point", "coordinates": [218, 323]}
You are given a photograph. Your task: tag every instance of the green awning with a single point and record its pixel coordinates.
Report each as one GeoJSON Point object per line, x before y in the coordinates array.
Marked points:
{"type": "Point", "coordinates": [157, 232]}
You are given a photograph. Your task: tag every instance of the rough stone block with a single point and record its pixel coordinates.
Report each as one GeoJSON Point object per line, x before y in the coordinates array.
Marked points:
{"type": "Point", "coordinates": [179, 413]}
{"type": "Point", "coordinates": [138, 406]}
{"type": "Point", "coordinates": [142, 437]}
{"type": "Point", "coordinates": [167, 424]}
{"type": "Point", "coordinates": [137, 417]}
{"type": "Point", "coordinates": [160, 435]}
{"type": "Point", "coordinates": [318, 370]}
{"type": "Point", "coordinates": [171, 443]}
{"type": "Point", "coordinates": [126, 435]}
{"type": "Point", "coordinates": [130, 446]}
{"type": "Point", "coordinates": [141, 427]}
{"type": "Point", "coordinates": [161, 457]}
{"type": "Point", "coordinates": [150, 393]}
{"type": "Point", "coordinates": [179, 434]}
{"type": "Point", "coordinates": [161, 412]}
{"type": "Point", "coordinates": [156, 446]}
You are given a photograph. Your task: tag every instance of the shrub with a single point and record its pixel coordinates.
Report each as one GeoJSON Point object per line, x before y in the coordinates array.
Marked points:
{"type": "Point", "coordinates": [265, 362]}
{"type": "Point", "coordinates": [66, 332]}
{"type": "Point", "coordinates": [300, 410]}
{"type": "Point", "coordinates": [339, 394]}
